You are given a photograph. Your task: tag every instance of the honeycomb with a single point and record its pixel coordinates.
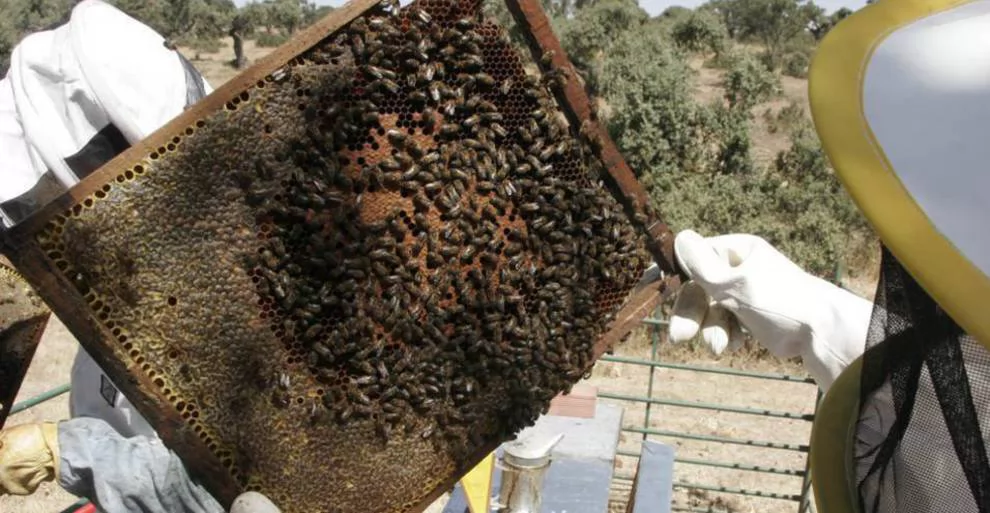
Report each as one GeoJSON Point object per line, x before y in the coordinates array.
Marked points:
{"type": "Point", "coordinates": [383, 257]}
{"type": "Point", "coordinates": [23, 317]}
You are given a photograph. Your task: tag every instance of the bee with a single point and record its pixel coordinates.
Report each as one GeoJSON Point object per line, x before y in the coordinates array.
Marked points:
{"type": "Point", "coordinates": [388, 85]}
{"type": "Point", "coordinates": [485, 80]}
{"type": "Point", "coordinates": [430, 158]}
{"type": "Point", "coordinates": [417, 96]}
{"type": "Point", "coordinates": [421, 202]}
{"type": "Point", "coordinates": [449, 129]}
{"type": "Point", "coordinates": [421, 221]}
{"type": "Point", "coordinates": [506, 87]}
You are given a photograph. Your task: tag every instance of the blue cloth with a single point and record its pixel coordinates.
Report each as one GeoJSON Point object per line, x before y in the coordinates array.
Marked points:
{"type": "Point", "coordinates": [126, 475]}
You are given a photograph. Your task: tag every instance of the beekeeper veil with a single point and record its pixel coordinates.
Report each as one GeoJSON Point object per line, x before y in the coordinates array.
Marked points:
{"type": "Point", "coordinates": [900, 93]}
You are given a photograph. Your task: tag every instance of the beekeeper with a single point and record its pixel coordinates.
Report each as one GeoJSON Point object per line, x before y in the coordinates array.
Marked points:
{"type": "Point", "coordinates": [900, 95]}
{"type": "Point", "coordinates": [75, 96]}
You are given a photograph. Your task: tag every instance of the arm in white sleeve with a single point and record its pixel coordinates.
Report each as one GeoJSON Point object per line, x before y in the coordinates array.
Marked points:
{"type": "Point", "coordinates": [741, 279]}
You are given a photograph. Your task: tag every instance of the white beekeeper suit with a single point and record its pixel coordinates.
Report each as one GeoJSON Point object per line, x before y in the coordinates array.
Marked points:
{"type": "Point", "coordinates": [74, 97]}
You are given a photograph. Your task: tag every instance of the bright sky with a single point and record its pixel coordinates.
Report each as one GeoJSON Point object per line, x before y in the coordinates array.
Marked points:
{"type": "Point", "coordinates": [655, 7]}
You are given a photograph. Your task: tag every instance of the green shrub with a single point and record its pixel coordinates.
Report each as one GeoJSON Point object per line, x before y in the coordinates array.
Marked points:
{"type": "Point", "coordinates": [588, 38]}
{"type": "Point", "coordinates": [749, 83]}
{"type": "Point", "coordinates": [204, 45]}
{"type": "Point", "coordinates": [648, 85]}
{"type": "Point", "coordinates": [269, 39]}
{"type": "Point", "coordinates": [700, 31]}
{"type": "Point", "coordinates": [796, 65]}
{"type": "Point", "coordinates": [789, 118]}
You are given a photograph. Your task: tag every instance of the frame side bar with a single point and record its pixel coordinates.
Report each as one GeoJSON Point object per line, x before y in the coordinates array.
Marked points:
{"type": "Point", "coordinates": [576, 105]}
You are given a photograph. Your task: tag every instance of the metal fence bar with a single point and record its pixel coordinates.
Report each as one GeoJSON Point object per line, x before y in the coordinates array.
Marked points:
{"type": "Point", "coordinates": [693, 509]}
{"type": "Point", "coordinates": [710, 406]}
{"type": "Point", "coordinates": [712, 370]}
{"type": "Point", "coordinates": [720, 439]}
{"type": "Point", "coordinates": [653, 321]}
{"type": "Point", "coordinates": [723, 489]}
{"type": "Point", "coordinates": [728, 465]}
{"type": "Point", "coordinates": [806, 495]}
{"type": "Point", "coordinates": [654, 342]}
{"type": "Point", "coordinates": [738, 491]}
{"type": "Point", "coordinates": [742, 466]}
{"type": "Point", "coordinates": [40, 398]}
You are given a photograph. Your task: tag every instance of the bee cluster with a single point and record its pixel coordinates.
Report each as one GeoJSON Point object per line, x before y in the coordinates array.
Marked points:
{"type": "Point", "coordinates": [488, 243]}
{"type": "Point", "coordinates": [393, 247]}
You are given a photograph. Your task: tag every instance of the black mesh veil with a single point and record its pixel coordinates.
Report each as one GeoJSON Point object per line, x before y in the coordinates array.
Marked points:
{"type": "Point", "coordinates": [925, 414]}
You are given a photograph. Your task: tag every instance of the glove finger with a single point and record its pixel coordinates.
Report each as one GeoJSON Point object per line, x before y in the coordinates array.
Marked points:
{"type": "Point", "coordinates": [689, 310]}
{"type": "Point", "coordinates": [715, 330]}
{"type": "Point", "coordinates": [699, 259]}
{"type": "Point", "coordinates": [736, 334]}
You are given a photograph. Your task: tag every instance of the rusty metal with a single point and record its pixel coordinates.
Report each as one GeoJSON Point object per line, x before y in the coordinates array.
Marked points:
{"type": "Point", "coordinates": [144, 261]}
{"type": "Point", "coordinates": [23, 317]}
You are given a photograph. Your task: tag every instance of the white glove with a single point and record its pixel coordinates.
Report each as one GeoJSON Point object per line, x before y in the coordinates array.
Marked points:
{"type": "Point", "coordinates": [253, 502]}
{"type": "Point", "coordinates": [743, 279]}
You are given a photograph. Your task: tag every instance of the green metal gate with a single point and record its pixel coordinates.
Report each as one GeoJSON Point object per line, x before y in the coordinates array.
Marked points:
{"type": "Point", "coordinates": [760, 499]}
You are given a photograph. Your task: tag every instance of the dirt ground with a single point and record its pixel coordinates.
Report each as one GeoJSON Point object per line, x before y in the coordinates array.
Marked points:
{"type": "Point", "coordinates": [53, 360]}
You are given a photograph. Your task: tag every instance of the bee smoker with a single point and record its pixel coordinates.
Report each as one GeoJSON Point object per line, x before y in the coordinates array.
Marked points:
{"type": "Point", "coordinates": [524, 465]}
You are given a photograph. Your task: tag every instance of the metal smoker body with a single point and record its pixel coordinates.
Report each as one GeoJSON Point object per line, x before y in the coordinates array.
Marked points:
{"type": "Point", "coordinates": [524, 466]}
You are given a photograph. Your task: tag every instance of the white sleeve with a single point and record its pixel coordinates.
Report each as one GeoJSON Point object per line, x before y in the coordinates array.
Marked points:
{"type": "Point", "coordinates": [141, 83]}
{"type": "Point", "coordinates": [22, 166]}
{"type": "Point", "coordinates": [85, 91]}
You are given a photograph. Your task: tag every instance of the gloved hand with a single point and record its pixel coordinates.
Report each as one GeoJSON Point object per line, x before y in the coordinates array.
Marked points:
{"type": "Point", "coordinates": [28, 457]}
{"type": "Point", "coordinates": [253, 502]}
{"type": "Point", "coordinates": [743, 279]}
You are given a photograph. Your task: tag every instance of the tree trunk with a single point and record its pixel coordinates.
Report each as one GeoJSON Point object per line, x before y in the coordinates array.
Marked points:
{"type": "Point", "coordinates": [240, 60]}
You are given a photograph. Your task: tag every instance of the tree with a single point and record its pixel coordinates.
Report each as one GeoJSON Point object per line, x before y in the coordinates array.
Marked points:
{"type": "Point", "coordinates": [242, 25]}
{"type": "Point", "coordinates": [9, 36]}
{"type": "Point", "coordinates": [773, 23]}
{"type": "Point", "coordinates": [149, 12]}
{"type": "Point", "coordinates": [588, 37]}
{"type": "Point", "coordinates": [35, 15]}
{"type": "Point", "coordinates": [820, 23]}
{"type": "Point", "coordinates": [656, 124]}
{"type": "Point", "coordinates": [287, 15]}
{"type": "Point", "coordinates": [700, 31]}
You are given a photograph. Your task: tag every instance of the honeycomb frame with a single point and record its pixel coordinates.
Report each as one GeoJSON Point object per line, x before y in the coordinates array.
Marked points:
{"type": "Point", "coordinates": [23, 317]}
{"type": "Point", "coordinates": [229, 461]}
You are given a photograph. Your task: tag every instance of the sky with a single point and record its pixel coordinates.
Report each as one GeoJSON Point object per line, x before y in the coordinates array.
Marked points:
{"type": "Point", "coordinates": [655, 7]}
